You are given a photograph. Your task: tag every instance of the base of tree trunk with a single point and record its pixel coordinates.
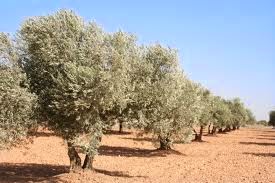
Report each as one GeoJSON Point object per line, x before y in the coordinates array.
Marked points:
{"type": "Point", "coordinates": [120, 127]}
{"type": "Point", "coordinates": [227, 129]}
{"type": "Point", "coordinates": [88, 162]}
{"type": "Point", "coordinates": [198, 138]}
{"type": "Point", "coordinates": [209, 130]}
{"type": "Point", "coordinates": [75, 160]}
{"type": "Point", "coordinates": [213, 132]}
{"type": "Point", "coordinates": [165, 144]}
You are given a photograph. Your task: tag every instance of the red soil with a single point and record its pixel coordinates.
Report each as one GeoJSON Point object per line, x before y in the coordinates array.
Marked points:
{"type": "Point", "coordinates": [246, 155]}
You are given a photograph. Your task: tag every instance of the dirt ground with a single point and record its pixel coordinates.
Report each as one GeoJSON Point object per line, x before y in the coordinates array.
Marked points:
{"type": "Point", "coordinates": [246, 155]}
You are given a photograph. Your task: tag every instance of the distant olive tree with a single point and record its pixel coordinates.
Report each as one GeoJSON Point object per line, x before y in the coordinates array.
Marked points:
{"type": "Point", "coordinates": [251, 119]}
{"type": "Point", "coordinates": [16, 102]}
{"type": "Point", "coordinates": [263, 122]}
{"type": "Point", "coordinates": [163, 98]}
{"type": "Point", "coordinates": [205, 113]}
{"type": "Point", "coordinates": [239, 114]}
{"type": "Point", "coordinates": [221, 115]}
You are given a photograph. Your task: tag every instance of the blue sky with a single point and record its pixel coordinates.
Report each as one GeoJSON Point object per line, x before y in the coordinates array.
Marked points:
{"type": "Point", "coordinates": [228, 46]}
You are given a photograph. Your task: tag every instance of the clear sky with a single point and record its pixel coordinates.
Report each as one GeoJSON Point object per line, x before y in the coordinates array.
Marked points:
{"type": "Point", "coordinates": [227, 45]}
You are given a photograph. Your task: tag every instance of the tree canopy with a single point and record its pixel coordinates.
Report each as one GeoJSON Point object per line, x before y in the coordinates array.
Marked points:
{"type": "Point", "coordinates": [17, 104]}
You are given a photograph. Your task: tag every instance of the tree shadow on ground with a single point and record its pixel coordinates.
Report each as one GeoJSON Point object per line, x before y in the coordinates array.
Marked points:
{"type": "Point", "coordinates": [199, 141]}
{"type": "Point", "coordinates": [22, 172]}
{"type": "Point", "coordinates": [115, 173]}
{"type": "Point", "coordinates": [114, 132]}
{"type": "Point", "coordinates": [262, 154]}
{"type": "Point", "coordinates": [148, 139]}
{"type": "Point", "coordinates": [134, 152]}
{"type": "Point", "coordinates": [261, 138]}
{"type": "Point", "coordinates": [258, 143]}
{"type": "Point", "coordinates": [267, 136]}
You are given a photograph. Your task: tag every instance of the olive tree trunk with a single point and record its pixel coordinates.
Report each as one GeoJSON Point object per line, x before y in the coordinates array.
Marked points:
{"type": "Point", "coordinates": [165, 143]}
{"type": "Point", "coordinates": [120, 126]}
{"type": "Point", "coordinates": [209, 128]}
{"type": "Point", "coordinates": [227, 129]}
{"type": "Point", "coordinates": [75, 160]}
{"type": "Point", "coordinates": [198, 137]}
{"type": "Point", "coordinates": [214, 129]}
{"type": "Point", "coordinates": [88, 162]}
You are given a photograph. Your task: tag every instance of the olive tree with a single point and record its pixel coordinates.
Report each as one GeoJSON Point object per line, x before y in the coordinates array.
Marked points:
{"type": "Point", "coordinates": [125, 53]}
{"type": "Point", "coordinates": [78, 73]}
{"type": "Point", "coordinates": [16, 102]}
{"type": "Point", "coordinates": [205, 113]}
{"type": "Point", "coordinates": [221, 114]}
{"type": "Point", "coordinates": [239, 114]}
{"type": "Point", "coordinates": [163, 97]}
{"type": "Point", "coordinates": [251, 119]}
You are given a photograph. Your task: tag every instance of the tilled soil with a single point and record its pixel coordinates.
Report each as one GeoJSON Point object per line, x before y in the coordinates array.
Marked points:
{"type": "Point", "coordinates": [245, 155]}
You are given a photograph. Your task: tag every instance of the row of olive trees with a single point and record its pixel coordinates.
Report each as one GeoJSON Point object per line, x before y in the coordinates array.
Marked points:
{"type": "Point", "coordinates": [222, 115]}
{"type": "Point", "coordinates": [85, 80]}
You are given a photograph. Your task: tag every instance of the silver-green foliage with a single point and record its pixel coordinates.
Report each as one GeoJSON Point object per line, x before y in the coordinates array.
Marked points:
{"type": "Point", "coordinates": [239, 115]}
{"type": "Point", "coordinates": [221, 113]}
{"type": "Point", "coordinates": [16, 102]}
{"type": "Point", "coordinates": [163, 96]}
{"type": "Point", "coordinates": [79, 72]}
{"type": "Point", "coordinates": [206, 107]}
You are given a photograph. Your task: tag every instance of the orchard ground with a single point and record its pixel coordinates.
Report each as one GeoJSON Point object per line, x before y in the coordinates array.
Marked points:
{"type": "Point", "coordinates": [245, 155]}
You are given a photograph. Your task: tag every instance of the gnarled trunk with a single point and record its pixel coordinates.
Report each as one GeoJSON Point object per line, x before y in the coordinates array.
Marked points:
{"type": "Point", "coordinates": [75, 160]}
{"type": "Point", "coordinates": [198, 137]}
{"type": "Point", "coordinates": [209, 130]}
{"type": "Point", "coordinates": [220, 130]}
{"type": "Point", "coordinates": [120, 126]}
{"type": "Point", "coordinates": [214, 129]}
{"type": "Point", "coordinates": [234, 127]}
{"type": "Point", "coordinates": [165, 143]}
{"type": "Point", "coordinates": [88, 162]}
{"type": "Point", "coordinates": [227, 129]}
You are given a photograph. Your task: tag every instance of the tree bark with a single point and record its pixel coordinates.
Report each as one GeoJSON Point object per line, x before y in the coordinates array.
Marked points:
{"type": "Point", "coordinates": [209, 130]}
{"type": "Point", "coordinates": [201, 132]}
{"type": "Point", "coordinates": [165, 143]}
{"type": "Point", "coordinates": [227, 129]}
{"type": "Point", "coordinates": [120, 127]}
{"type": "Point", "coordinates": [88, 162]}
{"type": "Point", "coordinates": [198, 137]}
{"type": "Point", "coordinates": [220, 130]}
{"type": "Point", "coordinates": [75, 160]}
{"type": "Point", "coordinates": [214, 129]}
{"type": "Point", "coordinates": [234, 127]}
